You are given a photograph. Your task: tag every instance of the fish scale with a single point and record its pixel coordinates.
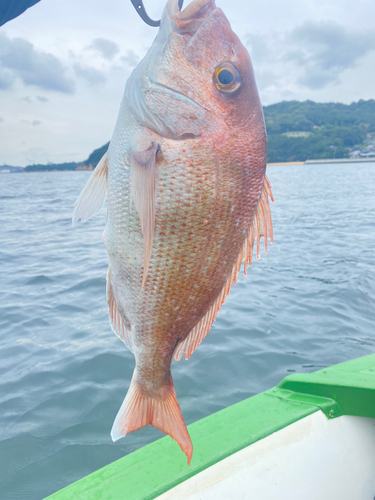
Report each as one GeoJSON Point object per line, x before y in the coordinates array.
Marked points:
{"type": "Point", "coordinates": [187, 198]}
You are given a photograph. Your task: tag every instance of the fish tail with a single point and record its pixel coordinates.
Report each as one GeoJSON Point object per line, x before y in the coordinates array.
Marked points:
{"type": "Point", "coordinates": [139, 410]}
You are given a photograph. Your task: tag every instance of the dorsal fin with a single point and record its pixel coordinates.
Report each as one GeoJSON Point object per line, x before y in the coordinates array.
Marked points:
{"type": "Point", "coordinates": [93, 195]}
{"type": "Point", "coordinates": [261, 226]}
{"type": "Point", "coordinates": [143, 176]}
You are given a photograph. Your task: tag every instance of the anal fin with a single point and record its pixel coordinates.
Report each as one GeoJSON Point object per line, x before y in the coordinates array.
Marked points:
{"type": "Point", "coordinates": [93, 195]}
{"type": "Point", "coordinates": [120, 325]}
{"type": "Point", "coordinates": [261, 226]}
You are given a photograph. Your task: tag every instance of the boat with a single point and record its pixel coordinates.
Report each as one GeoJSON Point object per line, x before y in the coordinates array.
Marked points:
{"type": "Point", "coordinates": [311, 437]}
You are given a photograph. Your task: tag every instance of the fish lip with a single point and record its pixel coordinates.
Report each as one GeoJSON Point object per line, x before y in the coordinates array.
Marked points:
{"type": "Point", "coordinates": [196, 7]}
{"type": "Point", "coordinates": [192, 17]}
{"type": "Point", "coordinates": [189, 99]}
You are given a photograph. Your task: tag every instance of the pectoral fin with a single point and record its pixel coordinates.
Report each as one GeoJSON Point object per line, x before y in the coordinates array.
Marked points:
{"type": "Point", "coordinates": [93, 195]}
{"type": "Point", "coordinates": [143, 177]}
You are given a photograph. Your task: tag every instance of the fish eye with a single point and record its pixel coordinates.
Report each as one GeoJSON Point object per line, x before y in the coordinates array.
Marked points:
{"type": "Point", "coordinates": [226, 78]}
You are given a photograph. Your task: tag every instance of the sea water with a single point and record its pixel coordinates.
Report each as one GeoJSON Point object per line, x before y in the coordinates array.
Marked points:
{"type": "Point", "coordinates": [308, 304]}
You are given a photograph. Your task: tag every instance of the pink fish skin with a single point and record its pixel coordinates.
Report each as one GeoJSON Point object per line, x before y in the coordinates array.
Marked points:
{"type": "Point", "coordinates": [187, 198]}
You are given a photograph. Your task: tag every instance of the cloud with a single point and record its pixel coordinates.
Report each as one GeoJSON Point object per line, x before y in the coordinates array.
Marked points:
{"type": "Point", "coordinates": [27, 98]}
{"type": "Point", "coordinates": [42, 98]}
{"type": "Point", "coordinates": [1, 120]}
{"type": "Point", "coordinates": [106, 48]}
{"type": "Point", "coordinates": [92, 75]}
{"type": "Point", "coordinates": [130, 58]}
{"type": "Point", "coordinates": [6, 78]}
{"type": "Point", "coordinates": [34, 122]}
{"type": "Point", "coordinates": [325, 50]}
{"type": "Point", "coordinates": [313, 55]}
{"type": "Point", "coordinates": [19, 58]}
{"type": "Point", "coordinates": [260, 50]}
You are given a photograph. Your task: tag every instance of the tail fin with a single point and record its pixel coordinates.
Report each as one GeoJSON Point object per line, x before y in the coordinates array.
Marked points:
{"type": "Point", "coordinates": [139, 410]}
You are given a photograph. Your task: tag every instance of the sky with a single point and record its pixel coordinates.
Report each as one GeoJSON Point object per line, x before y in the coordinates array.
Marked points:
{"type": "Point", "coordinates": [64, 64]}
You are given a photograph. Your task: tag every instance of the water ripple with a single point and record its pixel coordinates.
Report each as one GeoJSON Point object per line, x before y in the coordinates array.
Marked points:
{"type": "Point", "coordinates": [63, 374]}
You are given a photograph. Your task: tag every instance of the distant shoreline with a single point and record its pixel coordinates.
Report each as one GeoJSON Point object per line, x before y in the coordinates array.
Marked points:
{"type": "Point", "coordinates": [84, 168]}
{"type": "Point", "coordinates": [286, 163]}
{"type": "Point", "coordinates": [325, 161]}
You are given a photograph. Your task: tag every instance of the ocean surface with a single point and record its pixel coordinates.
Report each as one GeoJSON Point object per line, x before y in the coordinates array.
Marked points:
{"type": "Point", "coordinates": [308, 304]}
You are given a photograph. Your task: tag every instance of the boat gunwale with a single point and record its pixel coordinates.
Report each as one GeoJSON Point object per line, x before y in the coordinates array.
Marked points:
{"type": "Point", "coordinates": [344, 389]}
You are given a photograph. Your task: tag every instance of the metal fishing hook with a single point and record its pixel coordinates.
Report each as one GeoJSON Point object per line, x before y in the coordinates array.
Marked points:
{"type": "Point", "coordinates": [139, 7]}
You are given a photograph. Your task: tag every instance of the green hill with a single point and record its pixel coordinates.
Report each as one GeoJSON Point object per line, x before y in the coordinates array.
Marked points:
{"type": "Point", "coordinates": [95, 156]}
{"type": "Point", "coordinates": [298, 131]}
{"type": "Point", "coordinates": [88, 164]}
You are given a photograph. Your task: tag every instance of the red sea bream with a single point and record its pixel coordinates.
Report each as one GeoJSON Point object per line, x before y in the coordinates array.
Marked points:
{"type": "Point", "coordinates": [187, 197]}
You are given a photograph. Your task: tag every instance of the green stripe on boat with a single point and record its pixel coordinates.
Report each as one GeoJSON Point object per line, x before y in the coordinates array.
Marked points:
{"type": "Point", "coordinates": [344, 389]}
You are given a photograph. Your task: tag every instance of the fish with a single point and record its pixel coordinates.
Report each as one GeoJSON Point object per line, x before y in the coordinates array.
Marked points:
{"type": "Point", "coordinates": [184, 176]}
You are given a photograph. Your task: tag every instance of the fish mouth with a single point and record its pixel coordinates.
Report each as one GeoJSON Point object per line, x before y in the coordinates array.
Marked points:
{"type": "Point", "coordinates": [197, 9]}
{"type": "Point", "coordinates": [192, 16]}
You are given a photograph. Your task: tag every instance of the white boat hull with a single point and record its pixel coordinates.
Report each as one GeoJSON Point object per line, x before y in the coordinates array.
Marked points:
{"type": "Point", "coordinates": [311, 459]}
